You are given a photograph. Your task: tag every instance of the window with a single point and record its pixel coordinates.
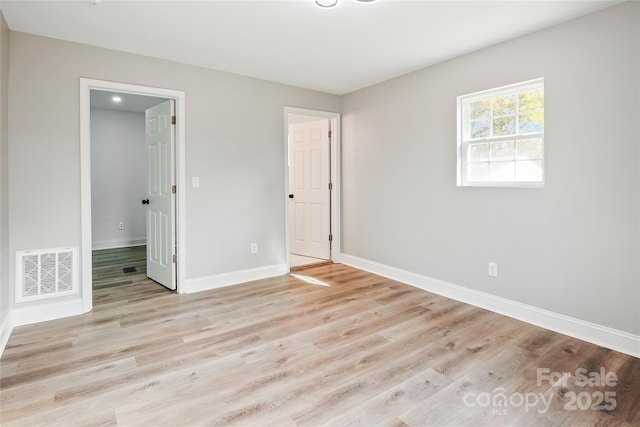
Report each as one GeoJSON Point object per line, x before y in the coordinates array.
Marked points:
{"type": "Point", "coordinates": [501, 136]}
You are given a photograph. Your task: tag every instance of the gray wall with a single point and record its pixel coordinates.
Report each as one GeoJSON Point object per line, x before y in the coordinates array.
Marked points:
{"type": "Point", "coordinates": [118, 178]}
{"type": "Point", "coordinates": [4, 167]}
{"type": "Point", "coordinates": [235, 144]}
{"type": "Point", "coordinates": [571, 247]}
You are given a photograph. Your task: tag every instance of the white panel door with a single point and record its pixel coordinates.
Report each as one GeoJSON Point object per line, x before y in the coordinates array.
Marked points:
{"type": "Point", "coordinates": [160, 140]}
{"type": "Point", "coordinates": [309, 175]}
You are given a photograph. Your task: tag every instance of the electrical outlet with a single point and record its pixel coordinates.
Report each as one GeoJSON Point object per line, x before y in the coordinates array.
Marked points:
{"type": "Point", "coordinates": [254, 248]}
{"type": "Point", "coordinates": [121, 225]}
{"type": "Point", "coordinates": [493, 269]}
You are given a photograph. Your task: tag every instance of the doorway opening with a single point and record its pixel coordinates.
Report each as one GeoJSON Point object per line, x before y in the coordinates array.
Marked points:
{"type": "Point", "coordinates": [312, 177]}
{"type": "Point", "coordinates": [132, 165]}
{"type": "Point", "coordinates": [120, 181]}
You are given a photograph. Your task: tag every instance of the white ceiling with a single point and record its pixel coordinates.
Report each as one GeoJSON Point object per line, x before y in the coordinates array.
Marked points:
{"type": "Point", "coordinates": [128, 102]}
{"type": "Point", "coordinates": [294, 42]}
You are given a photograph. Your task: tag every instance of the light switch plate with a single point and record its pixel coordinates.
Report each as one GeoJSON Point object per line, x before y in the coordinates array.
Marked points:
{"type": "Point", "coordinates": [195, 182]}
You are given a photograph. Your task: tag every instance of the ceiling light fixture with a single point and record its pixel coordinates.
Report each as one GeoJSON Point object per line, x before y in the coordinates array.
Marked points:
{"type": "Point", "coordinates": [116, 99]}
{"type": "Point", "coordinates": [328, 4]}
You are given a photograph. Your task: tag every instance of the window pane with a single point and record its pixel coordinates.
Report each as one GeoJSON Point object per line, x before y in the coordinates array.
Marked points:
{"type": "Point", "coordinates": [480, 129]}
{"type": "Point", "coordinates": [478, 152]}
{"type": "Point", "coordinates": [478, 172]}
{"type": "Point", "coordinates": [480, 109]}
{"type": "Point", "coordinates": [501, 142]}
{"type": "Point", "coordinates": [532, 122]}
{"type": "Point", "coordinates": [503, 171]}
{"type": "Point", "coordinates": [530, 170]}
{"type": "Point", "coordinates": [504, 105]}
{"type": "Point", "coordinates": [503, 150]}
{"type": "Point", "coordinates": [529, 149]}
{"type": "Point", "coordinates": [531, 100]}
{"type": "Point", "coordinates": [504, 126]}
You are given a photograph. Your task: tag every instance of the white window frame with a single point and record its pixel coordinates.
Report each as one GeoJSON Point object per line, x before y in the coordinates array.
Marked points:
{"type": "Point", "coordinates": [463, 141]}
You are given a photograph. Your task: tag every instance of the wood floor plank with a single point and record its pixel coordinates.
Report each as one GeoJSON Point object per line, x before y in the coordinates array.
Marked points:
{"type": "Point", "coordinates": [358, 349]}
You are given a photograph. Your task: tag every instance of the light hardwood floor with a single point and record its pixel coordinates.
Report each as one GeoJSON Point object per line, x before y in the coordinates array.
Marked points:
{"type": "Point", "coordinates": [300, 262]}
{"type": "Point", "coordinates": [364, 350]}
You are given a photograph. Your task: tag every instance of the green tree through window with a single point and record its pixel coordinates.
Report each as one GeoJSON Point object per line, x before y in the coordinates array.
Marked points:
{"type": "Point", "coordinates": [501, 136]}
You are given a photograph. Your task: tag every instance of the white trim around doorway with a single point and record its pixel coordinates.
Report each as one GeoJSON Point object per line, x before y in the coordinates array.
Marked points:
{"type": "Point", "coordinates": [336, 206]}
{"type": "Point", "coordinates": [86, 86]}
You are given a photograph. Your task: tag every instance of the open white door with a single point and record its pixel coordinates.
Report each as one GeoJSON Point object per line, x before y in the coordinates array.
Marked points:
{"type": "Point", "coordinates": [309, 177]}
{"type": "Point", "coordinates": [161, 235]}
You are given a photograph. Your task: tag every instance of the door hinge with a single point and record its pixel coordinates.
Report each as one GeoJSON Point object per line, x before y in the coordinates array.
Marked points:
{"type": "Point", "coordinates": [330, 133]}
{"type": "Point", "coordinates": [330, 186]}
{"type": "Point", "coordinates": [173, 189]}
{"type": "Point", "coordinates": [331, 237]}
{"type": "Point", "coordinates": [175, 258]}
{"type": "Point", "coordinates": [173, 120]}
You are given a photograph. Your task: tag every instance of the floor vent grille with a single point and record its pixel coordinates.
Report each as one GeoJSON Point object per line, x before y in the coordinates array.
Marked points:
{"type": "Point", "coordinates": [46, 273]}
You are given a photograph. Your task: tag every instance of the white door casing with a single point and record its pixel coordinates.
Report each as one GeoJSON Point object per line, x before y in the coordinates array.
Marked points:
{"type": "Point", "coordinates": [86, 86]}
{"type": "Point", "coordinates": [309, 177]}
{"type": "Point", "coordinates": [161, 236]}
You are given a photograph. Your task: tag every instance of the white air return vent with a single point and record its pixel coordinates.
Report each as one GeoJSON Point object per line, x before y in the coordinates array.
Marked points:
{"type": "Point", "coordinates": [46, 273]}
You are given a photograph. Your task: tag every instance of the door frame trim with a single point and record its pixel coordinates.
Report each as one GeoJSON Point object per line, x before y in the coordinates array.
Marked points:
{"type": "Point", "coordinates": [336, 205]}
{"type": "Point", "coordinates": [86, 86]}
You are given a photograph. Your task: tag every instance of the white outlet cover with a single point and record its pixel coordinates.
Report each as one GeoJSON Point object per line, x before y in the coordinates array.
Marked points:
{"type": "Point", "coordinates": [195, 182]}
{"type": "Point", "coordinates": [493, 269]}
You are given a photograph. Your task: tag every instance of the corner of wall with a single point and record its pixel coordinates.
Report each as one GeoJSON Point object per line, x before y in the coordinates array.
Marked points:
{"type": "Point", "coordinates": [5, 331]}
{"type": "Point", "coordinates": [5, 287]}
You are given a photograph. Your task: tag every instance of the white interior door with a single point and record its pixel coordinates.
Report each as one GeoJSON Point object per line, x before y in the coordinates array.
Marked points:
{"type": "Point", "coordinates": [309, 177]}
{"type": "Point", "coordinates": [161, 237]}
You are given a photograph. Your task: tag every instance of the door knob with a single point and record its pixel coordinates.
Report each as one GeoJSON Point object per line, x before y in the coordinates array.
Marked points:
{"type": "Point", "coordinates": [291, 196]}
{"type": "Point", "coordinates": [145, 202]}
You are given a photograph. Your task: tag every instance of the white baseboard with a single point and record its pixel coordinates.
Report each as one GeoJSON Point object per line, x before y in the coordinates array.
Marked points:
{"type": "Point", "coordinates": [604, 336]}
{"type": "Point", "coordinates": [35, 313]}
{"type": "Point", "coordinates": [113, 244]}
{"type": "Point", "coordinates": [233, 278]}
{"type": "Point", "coordinates": [5, 332]}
